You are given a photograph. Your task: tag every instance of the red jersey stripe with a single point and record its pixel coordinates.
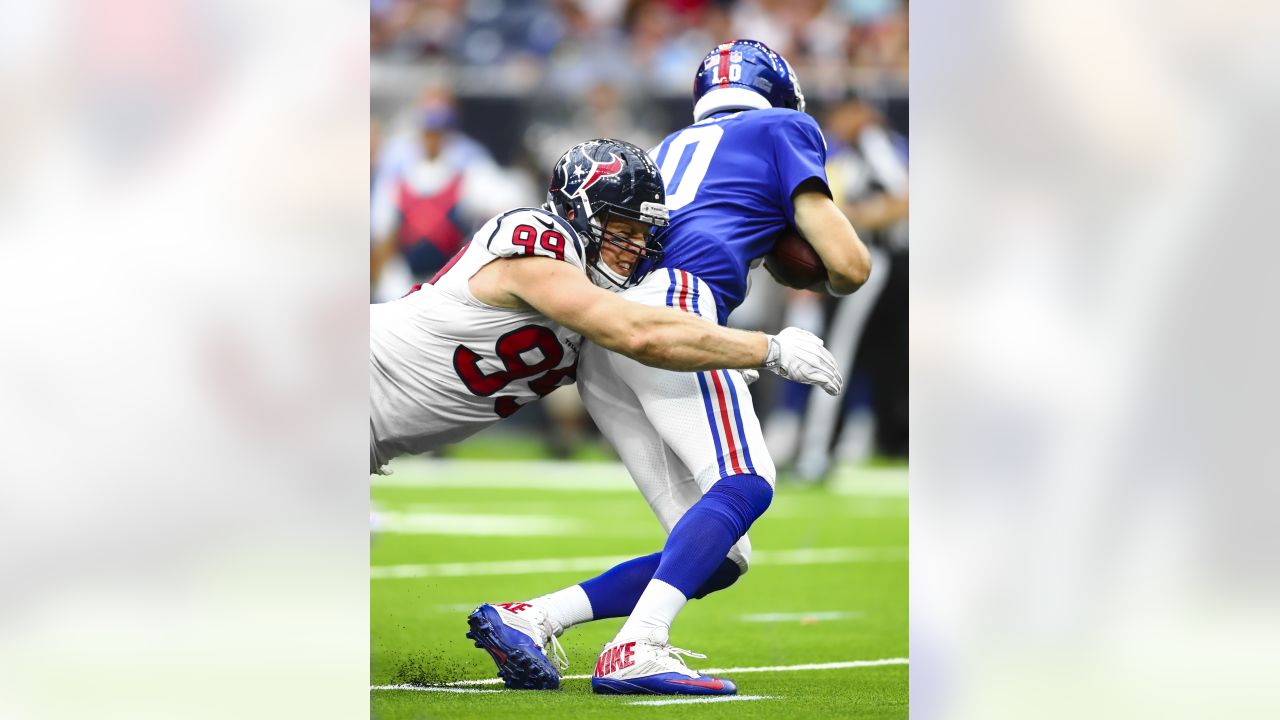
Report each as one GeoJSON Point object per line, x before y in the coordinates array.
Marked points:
{"type": "Point", "coordinates": [724, 422]}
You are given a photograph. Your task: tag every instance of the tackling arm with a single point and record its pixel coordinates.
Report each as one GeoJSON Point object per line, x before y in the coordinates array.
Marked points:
{"type": "Point", "coordinates": [661, 337]}
{"type": "Point", "coordinates": [829, 232]}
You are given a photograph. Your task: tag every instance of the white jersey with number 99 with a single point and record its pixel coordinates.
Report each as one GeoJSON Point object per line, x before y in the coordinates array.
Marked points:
{"type": "Point", "coordinates": [443, 365]}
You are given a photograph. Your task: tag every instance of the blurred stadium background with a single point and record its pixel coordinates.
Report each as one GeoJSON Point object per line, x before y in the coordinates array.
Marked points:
{"type": "Point", "coordinates": [471, 103]}
{"type": "Point", "coordinates": [473, 100]}
{"type": "Point", "coordinates": [181, 204]}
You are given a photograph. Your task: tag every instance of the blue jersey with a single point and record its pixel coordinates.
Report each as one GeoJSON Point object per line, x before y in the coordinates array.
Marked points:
{"type": "Point", "coordinates": [729, 182]}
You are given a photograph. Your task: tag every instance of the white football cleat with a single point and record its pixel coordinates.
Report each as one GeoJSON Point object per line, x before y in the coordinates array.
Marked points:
{"type": "Point", "coordinates": [521, 639]}
{"type": "Point", "coordinates": [649, 666]}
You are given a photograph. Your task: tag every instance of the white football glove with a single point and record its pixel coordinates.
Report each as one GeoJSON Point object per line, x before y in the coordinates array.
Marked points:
{"type": "Point", "coordinates": [750, 375]}
{"type": "Point", "coordinates": [798, 355]}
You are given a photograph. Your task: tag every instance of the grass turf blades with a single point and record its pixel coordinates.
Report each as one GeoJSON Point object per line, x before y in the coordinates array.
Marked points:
{"type": "Point", "coordinates": [828, 604]}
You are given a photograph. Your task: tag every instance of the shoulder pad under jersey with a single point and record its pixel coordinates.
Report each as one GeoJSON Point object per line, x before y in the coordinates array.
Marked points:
{"type": "Point", "coordinates": [533, 231]}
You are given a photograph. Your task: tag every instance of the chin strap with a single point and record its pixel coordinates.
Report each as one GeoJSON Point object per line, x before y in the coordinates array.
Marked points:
{"type": "Point", "coordinates": [604, 276]}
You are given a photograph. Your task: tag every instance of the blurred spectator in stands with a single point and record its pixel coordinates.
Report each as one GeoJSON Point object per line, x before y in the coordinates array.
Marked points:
{"type": "Point", "coordinates": [877, 34]}
{"type": "Point", "coordinates": [414, 29]}
{"type": "Point", "coordinates": [866, 331]}
{"type": "Point", "coordinates": [592, 35]}
{"type": "Point", "coordinates": [515, 38]}
{"type": "Point", "coordinates": [819, 30]}
{"type": "Point", "coordinates": [604, 111]}
{"type": "Point", "coordinates": [715, 25]}
{"type": "Point", "coordinates": [762, 20]}
{"type": "Point", "coordinates": [432, 188]}
{"type": "Point", "coordinates": [654, 53]}
{"type": "Point", "coordinates": [502, 32]}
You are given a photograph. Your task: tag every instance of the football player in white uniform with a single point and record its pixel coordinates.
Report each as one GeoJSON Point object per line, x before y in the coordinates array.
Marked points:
{"type": "Point", "coordinates": [501, 325]}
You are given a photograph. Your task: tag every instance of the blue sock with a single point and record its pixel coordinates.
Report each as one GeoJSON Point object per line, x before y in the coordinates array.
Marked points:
{"type": "Point", "coordinates": [702, 538]}
{"type": "Point", "coordinates": [614, 592]}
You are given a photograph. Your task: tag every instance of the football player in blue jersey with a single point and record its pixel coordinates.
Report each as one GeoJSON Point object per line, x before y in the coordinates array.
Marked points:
{"type": "Point", "coordinates": [749, 167]}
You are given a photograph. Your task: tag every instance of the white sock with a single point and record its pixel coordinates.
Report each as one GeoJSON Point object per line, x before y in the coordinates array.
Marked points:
{"type": "Point", "coordinates": [655, 611]}
{"type": "Point", "coordinates": [566, 607]}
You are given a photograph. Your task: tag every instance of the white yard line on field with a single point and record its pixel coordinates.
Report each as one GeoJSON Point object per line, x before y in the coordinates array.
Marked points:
{"type": "Point", "coordinates": [444, 523]}
{"type": "Point", "coordinates": [510, 474]}
{"type": "Point", "coordinates": [692, 700]}
{"type": "Point", "coordinates": [712, 671]}
{"type": "Point", "coordinates": [430, 688]}
{"type": "Point", "coordinates": [807, 556]}
{"type": "Point", "coordinates": [799, 616]}
{"type": "Point", "coordinates": [498, 681]}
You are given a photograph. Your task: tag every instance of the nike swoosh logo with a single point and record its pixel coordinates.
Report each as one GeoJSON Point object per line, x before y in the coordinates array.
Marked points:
{"type": "Point", "coordinates": [545, 223]}
{"type": "Point", "coordinates": [709, 684]}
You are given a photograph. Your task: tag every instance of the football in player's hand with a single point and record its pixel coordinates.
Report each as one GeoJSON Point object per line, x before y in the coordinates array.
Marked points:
{"type": "Point", "coordinates": [793, 262]}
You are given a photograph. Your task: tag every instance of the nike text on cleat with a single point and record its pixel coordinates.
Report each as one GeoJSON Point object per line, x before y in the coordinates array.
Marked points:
{"type": "Point", "coordinates": [516, 636]}
{"type": "Point", "coordinates": [648, 667]}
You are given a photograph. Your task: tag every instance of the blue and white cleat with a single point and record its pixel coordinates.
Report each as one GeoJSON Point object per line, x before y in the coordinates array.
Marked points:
{"type": "Point", "coordinates": [516, 636]}
{"type": "Point", "coordinates": [649, 666]}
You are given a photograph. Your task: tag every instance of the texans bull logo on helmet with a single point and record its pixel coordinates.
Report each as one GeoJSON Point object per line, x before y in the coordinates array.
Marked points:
{"type": "Point", "coordinates": [583, 177]}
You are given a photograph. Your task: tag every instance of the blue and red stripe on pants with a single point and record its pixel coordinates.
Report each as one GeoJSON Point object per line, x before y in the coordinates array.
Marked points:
{"type": "Point", "coordinates": [719, 396]}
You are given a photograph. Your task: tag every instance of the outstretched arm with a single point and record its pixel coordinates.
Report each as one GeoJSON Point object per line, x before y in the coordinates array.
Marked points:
{"type": "Point", "coordinates": [657, 336]}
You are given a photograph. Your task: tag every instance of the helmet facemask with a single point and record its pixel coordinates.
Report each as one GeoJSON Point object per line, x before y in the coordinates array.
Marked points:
{"type": "Point", "coordinates": [640, 254]}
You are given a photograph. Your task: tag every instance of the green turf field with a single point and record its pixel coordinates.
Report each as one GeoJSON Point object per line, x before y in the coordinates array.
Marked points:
{"type": "Point", "coordinates": [828, 584]}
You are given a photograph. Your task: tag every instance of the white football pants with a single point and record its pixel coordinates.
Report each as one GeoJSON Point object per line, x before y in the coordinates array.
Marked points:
{"type": "Point", "coordinates": [677, 433]}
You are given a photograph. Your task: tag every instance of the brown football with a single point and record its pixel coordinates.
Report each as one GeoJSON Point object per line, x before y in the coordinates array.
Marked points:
{"type": "Point", "coordinates": [794, 263]}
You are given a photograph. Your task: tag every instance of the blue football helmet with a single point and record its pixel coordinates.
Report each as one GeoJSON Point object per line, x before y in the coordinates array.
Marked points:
{"type": "Point", "coordinates": [744, 75]}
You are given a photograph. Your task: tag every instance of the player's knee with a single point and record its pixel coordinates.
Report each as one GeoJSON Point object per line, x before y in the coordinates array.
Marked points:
{"type": "Point", "coordinates": [748, 495]}
{"type": "Point", "coordinates": [725, 575]}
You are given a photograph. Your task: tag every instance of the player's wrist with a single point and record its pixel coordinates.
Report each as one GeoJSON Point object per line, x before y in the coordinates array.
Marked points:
{"type": "Point", "coordinates": [772, 356]}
